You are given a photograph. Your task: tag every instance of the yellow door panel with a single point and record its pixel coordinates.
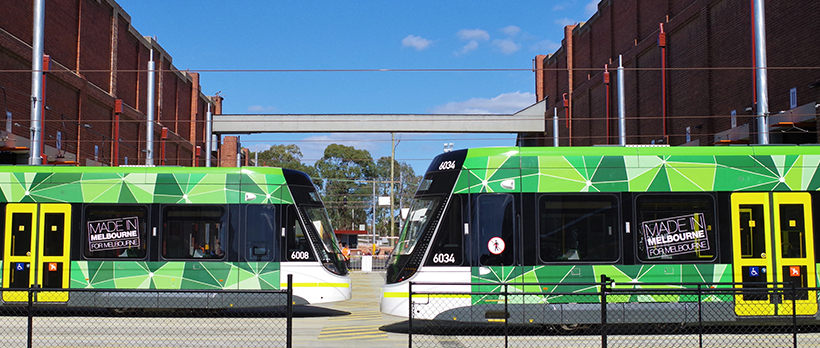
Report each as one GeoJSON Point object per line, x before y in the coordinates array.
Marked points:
{"type": "Point", "coordinates": [752, 262]}
{"type": "Point", "coordinates": [773, 243]}
{"type": "Point", "coordinates": [794, 239]}
{"type": "Point", "coordinates": [37, 248]}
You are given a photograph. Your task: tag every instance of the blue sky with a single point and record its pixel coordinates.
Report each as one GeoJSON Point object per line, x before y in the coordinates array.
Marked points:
{"type": "Point", "coordinates": [364, 34]}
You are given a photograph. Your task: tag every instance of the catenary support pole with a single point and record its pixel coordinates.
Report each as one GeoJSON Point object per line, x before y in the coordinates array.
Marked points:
{"type": "Point", "coordinates": [209, 131]}
{"type": "Point", "coordinates": [37, 83]}
{"type": "Point", "coordinates": [621, 103]}
{"type": "Point", "coordinates": [762, 78]}
{"type": "Point", "coordinates": [555, 127]}
{"type": "Point", "coordinates": [149, 132]}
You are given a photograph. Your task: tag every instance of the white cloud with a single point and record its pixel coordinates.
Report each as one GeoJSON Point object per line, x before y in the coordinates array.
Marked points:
{"type": "Point", "coordinates": [417, 42]}
{"type": "Point", "coordinates": [545, 45]}
{"type": "Point", "coordinates": [591, 8]}
{"type": "Point", "coordinates": [507, 103]}
{"type": "Point", "coordinates": [262, 109]}
{"type": "Point", "coordinates": [565, 22]}
{"type": "Point", "coordinates": [511, 30]}
{"type": "Point", "coordinates": [473, 34]}
{"type": "Point", "coordinates": [506, 46]}
{"type": "Point", "coordinates": [469, 47]}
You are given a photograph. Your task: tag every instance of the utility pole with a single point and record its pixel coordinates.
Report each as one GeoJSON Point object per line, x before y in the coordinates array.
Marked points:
{"type": "Point", "coordinates": [392, 175]}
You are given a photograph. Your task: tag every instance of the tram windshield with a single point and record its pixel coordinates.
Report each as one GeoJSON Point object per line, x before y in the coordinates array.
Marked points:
{"type": "Point", "coordinates": [417, 221]}
{"type": "Point", "coordinates": [321, 222]}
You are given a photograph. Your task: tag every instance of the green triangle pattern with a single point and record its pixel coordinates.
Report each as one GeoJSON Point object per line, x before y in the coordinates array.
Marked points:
{"type": "Point", "coordinates": [578, 283]}
{"type": "Point", "coordinates": [46, 184]}
{"type": "Point", "coordinates": [174, 275]}
{"type": "Point", "coordinates": [674, 169]}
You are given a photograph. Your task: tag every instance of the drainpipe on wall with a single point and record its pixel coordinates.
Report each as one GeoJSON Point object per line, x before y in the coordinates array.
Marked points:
{"type": "Point", "coordinates": [662, 44]}
{"type": "Point", "coordinates": [621, 103]}
{"type": "Point", "coordinates": [608, 112]}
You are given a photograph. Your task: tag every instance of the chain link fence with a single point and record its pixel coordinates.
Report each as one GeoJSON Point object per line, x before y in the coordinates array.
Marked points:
{"type": "Point", "coordinates": [147, 318]}
{"type": "Point", "coordinates": [623, 315]}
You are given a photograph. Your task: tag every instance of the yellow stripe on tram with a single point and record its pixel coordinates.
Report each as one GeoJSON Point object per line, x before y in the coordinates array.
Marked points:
{"type": "Point", "coordinates": [404, 295]}
{"type": "Point", "coordinates": [316, 285]}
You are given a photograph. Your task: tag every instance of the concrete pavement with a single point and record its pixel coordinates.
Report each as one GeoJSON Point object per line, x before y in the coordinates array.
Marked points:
{"type": "Point", "coordinates": [354, 323]}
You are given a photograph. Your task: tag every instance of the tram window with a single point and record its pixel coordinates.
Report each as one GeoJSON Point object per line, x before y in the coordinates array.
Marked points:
{"type": "Point", "coordinates": [752, 231]}
{"type": "Point", "coordinates": [792, 231]}
{"type": "Point", "coordinates": [496, 230]}
{"type": "Point", "coordinates": [260, 229]}
{"type": "Point", "coordinates": [119, 231]}
{"type": "Point", "coordinates": [675, 227]}
{"type": "Point", "coordinates": [298, 244]}
{"type": "Point", "coordinates": [447, 248]}
{"type": "Point", "coordinates": [578, 228]}
{"type": "Point", "coordinates": [193, 232]}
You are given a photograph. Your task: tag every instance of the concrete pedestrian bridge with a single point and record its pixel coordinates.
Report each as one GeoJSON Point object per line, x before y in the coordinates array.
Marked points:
{"type": "Point", "coordinates": [530, 119]}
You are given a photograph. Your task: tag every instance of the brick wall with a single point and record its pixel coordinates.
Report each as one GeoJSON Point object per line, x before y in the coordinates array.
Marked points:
{"type": "Point", "coordinates": [95, 52]}
{"type": "Point", "coordinates": [709, 61]}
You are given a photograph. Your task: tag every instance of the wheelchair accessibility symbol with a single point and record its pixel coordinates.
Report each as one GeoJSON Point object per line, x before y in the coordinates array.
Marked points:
{"type": "Point", "coordinates": [755, 271]}
{"type": "Point", "coordinates": [20, 266]}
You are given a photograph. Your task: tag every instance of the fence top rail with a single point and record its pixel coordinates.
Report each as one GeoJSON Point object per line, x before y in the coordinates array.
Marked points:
{"type": "Point", "coordinates": [613, 284]}
{"type": "Point", "coordinates": [655, 292]}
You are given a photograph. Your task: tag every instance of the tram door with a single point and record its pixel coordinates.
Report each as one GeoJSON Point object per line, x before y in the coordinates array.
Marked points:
{"type": "Point", "coordinates": [773, 241]}
{"type": "Point", "coordinates": [36, 250]}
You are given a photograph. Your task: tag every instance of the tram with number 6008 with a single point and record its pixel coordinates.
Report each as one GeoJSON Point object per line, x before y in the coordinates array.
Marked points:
{"type": "Point", "coordinates": [165, 228]}
{"type": "Point", "coordinates": [486, 219]}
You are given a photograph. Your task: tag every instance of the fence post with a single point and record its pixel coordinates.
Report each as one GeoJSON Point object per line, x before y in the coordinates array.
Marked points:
{"type": "Point", "coordinates": [604, 280]}
{"type": "Point", "coordinates": [410, 314]}
{"type": "Point", "coordinates": [700, 316]}
{"type": "Point", "coordinates": [506, 315]}
{"type": "Point", "coordinates": [30, 315]}
{"type": "Point", "coordinates": [289, 327]}
{"type": "Point", "coordinates": [794, 316]}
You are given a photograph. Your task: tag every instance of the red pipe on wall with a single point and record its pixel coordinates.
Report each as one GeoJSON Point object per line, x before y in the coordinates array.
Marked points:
{"type": "Point", "coordinates": [164, 138]}
{"type": "Point", "coordinates": [117, 112]}
{"type": "Point", "coordinates": [662, 44]}
{"type": "Point", "coordinates": [46, 69]}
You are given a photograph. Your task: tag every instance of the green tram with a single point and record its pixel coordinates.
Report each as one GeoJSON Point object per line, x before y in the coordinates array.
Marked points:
{"type": "Point", "coordinates": [494, 217]}
{"type": "Point", "coordinates": [169, 228]}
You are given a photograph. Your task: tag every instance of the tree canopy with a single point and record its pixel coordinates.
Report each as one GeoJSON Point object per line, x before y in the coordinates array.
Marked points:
{"type": "Point", "coordinates": [350, 182]}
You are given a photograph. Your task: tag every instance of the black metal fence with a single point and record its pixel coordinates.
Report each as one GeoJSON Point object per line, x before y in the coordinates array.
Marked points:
{"type": "Point", "coordinates": [626, 315]}
{"type": "Point", "coordinates": [147, 318]}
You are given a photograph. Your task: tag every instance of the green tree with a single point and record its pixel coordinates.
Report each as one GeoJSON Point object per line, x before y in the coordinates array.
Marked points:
{"type": "Point", "coordinates": [347, 175]}
{"type": "Point", "coordinates": [284, 156]}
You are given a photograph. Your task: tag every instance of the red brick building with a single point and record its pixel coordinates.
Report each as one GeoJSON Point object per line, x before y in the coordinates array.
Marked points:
{"type": "Point", "coordinates": [709, 74]}
{"type": "Point", "coordinates": [96, 89]}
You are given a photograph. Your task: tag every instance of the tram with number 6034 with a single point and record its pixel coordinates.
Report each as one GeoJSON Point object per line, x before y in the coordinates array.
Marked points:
{"type": "Point", "coordinates": [498, 217]}
{"type": "Point", "coordinates": [165, 228]}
